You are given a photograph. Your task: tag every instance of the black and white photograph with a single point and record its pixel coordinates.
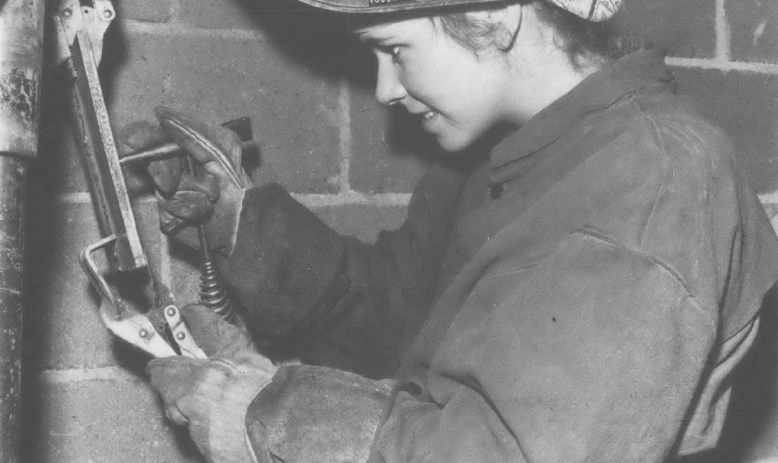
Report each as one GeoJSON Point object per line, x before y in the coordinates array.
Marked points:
{"type": "Point", "coordinates": [389, 231]}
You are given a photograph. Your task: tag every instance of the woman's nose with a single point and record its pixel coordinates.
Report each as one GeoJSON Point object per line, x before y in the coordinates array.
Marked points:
{"type": "Point", "coordinates": [388, 89]}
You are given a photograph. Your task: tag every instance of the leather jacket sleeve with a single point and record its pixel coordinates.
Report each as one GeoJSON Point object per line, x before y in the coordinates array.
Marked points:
{"type": "Point", "coordinates": [329, 299]}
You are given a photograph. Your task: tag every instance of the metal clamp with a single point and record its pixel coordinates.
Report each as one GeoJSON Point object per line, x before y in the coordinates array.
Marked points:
{"type": "Point", "coordinates": [72, 17]}
{"type": "Point", "coordinates": [181, 334]}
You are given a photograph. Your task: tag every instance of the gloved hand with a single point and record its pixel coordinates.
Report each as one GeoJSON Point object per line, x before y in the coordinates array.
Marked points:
{"type": "Point", "coordinates": [212, 395]}
{"type": "Point", "coordinates": [213, 194]}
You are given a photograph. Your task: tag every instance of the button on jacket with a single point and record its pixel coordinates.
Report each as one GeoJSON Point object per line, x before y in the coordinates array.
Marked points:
{"type": "Point", "coordinates": [581, 294]}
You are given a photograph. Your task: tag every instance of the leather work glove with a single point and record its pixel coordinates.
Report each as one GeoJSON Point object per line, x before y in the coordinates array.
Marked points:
{"type": "Point", "coordinates": [212, 395]}
{"type": "Point", "coordinates": [211, 195]}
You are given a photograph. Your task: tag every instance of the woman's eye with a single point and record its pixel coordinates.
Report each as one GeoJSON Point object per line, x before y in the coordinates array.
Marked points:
{"type": "Point", "coordinates": [392, 50]}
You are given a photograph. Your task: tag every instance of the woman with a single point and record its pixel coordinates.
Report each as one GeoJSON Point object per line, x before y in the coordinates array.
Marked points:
{"type": "Point", "coordinates": [582, 291]}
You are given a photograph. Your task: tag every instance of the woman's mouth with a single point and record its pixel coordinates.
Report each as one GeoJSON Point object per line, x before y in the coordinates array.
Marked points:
{"type": "Point", "coordinates": [428, 117]}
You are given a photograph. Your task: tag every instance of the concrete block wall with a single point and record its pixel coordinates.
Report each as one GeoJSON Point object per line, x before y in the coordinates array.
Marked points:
{"type": "Point", "coordinates": [308, 92]}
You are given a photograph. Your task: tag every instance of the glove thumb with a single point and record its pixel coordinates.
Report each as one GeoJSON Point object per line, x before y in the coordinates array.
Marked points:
{"type": "Point", "coordinates": [218, 149]}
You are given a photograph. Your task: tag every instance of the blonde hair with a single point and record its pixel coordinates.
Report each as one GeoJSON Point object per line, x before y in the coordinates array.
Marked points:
{"type": "Point", "coordinates": [582, 41]}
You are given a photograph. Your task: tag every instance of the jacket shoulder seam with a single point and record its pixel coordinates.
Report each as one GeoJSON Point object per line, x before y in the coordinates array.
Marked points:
{"type": "Point", "coordinates": [659, 142]}
{"type": "Point", "coordinates": [595, 234]}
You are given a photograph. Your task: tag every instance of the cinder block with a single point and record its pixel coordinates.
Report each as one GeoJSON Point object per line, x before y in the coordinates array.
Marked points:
{"type": "Point", "coordinates": [100, 421]}
{"type": "Point", "coordinates": [295, 113]}
{"type": "Point", "coordinates": [217, 15]}
{"type": "Point", "coordinates": [62, 326]}
{"type": "Point", "coordinates": [685, 27]}
{"type": "Point", "coordinates": [744, 104]}
{"type": "Point", "coordinates": [753, 30]}
{"type": "Point", "coordinates": [243, 14]}
{"type": "Point", "coordinates": [362, 221]}
{"type": "Point", "coordinates": [390, 152]}
{"type": "Point", "coordinates": [157, 11]}
{"type": "Point", "coordinates": [184, 272]}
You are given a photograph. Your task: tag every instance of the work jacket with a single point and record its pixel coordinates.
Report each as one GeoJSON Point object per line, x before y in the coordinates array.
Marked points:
{"type": "Point", "coordinates": [582, 293]}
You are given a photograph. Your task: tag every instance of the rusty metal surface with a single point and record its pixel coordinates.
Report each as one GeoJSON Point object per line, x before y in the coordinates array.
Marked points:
{"type": "Point", "coordinates": [21, 52]}
{"type": "Point", "coordinates": [101, 162]}
{"type": "Point", "coordinates": [12, 179]}
{"type": "Point", "coordinates": [21, 37]}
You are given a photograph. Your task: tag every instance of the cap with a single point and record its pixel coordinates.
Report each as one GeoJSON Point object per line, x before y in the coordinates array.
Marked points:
{"type": "Point", "coordinates": [591, 10]}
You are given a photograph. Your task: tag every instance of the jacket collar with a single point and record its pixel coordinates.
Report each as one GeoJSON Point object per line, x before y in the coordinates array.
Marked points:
{"type": "Point", "coordinates": [596, 92]}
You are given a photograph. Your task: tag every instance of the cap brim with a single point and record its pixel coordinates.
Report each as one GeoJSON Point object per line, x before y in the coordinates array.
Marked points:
{"type": "Point", "coordinates": [387, 6]}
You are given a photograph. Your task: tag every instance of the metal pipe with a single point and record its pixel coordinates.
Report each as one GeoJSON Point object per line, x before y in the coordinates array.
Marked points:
{"type": "Point", "coordinates": [21, 50]}
{"type": "Point", "coordinates": [242, 127]}
{"type": "Point", "coordinates": [12, 175]}
{"type": "Point", "coordinates": [162, 152]}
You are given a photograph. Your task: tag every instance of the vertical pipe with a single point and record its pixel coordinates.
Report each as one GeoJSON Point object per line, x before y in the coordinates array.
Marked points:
{"type": "Point", "coordinates": [12, 175]}
{"type": "Point", "coordinates": [21, 50]}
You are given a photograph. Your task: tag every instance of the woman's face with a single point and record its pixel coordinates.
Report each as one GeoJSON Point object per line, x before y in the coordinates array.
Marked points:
{"type": "Point", "coordinates": [456, 94]}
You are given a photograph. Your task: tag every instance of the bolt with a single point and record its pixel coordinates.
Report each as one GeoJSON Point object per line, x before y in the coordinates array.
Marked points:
{"type": "Point", "coordinates": [107, 14]}
{"type": "Point", "coordinates": [180, 335]}
{"type": "Point", "coordinates": [143, 333]}
{"type": "Point", "coordinates": [171, 311]}
{"type": "Point", "coordinates": [67, 12]}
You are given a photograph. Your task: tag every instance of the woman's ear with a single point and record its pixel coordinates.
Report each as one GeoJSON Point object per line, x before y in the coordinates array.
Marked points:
{"type": "Point", "coordinates": [507, 18]}
{"type": "Point", "coordinates": [513, 14]}
{"type": "Point", "coordinates": [512, 21]}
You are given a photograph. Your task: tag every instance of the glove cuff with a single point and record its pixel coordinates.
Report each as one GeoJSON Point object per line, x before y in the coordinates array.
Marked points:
{"type": "Point", "coordinates": [310, 413]}
{"type": "Point", "coordinates": [288, 268]}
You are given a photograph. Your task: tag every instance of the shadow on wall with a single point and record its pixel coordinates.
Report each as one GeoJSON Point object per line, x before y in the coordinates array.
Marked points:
{"type": "Point", "coordinates": [320, 41]}
{"type": "Point", "coordinates": [317, 39]}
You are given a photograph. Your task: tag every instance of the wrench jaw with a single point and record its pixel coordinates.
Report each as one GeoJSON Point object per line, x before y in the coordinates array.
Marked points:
{"type": "Point", "coordinates": [146, 332]}
{"type": "Point", "coordinates": [135, 329]}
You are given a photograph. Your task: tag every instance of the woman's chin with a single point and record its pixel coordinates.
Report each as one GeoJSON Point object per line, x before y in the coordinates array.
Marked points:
{"type": "Point", "coordinates": [452, 143]}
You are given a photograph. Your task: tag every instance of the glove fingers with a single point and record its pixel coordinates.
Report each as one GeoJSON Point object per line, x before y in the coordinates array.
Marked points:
{"type": "Point", "coordinates": [167, 174]}
{"type": "Point", "coordinates": [207, 185]}
{"type": "Point", "coordinates": [142, 134]}
{"type": "Point", "coordinates": [174, 414]}
{"type": "Point", "coordinates": [171, 225]}
{"type": "Point", "coordinates": [210, 331]}
{"type": "Point", "coordinates": [191, 206]}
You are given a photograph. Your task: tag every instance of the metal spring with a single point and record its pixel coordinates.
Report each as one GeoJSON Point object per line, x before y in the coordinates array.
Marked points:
{"type": "Point", "coordinates": [213, 294]}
